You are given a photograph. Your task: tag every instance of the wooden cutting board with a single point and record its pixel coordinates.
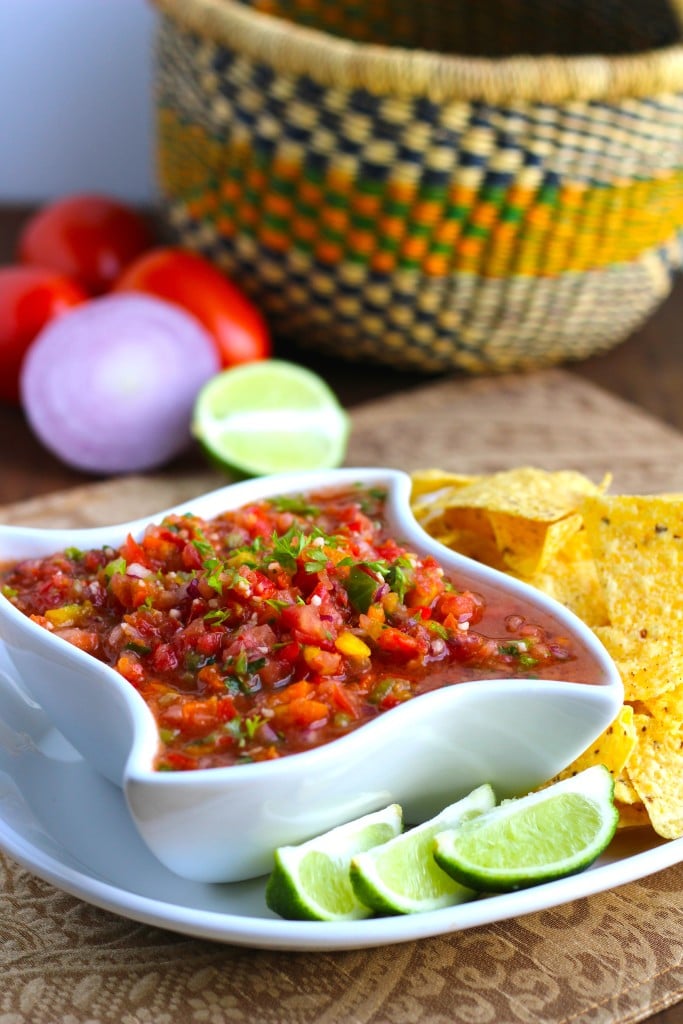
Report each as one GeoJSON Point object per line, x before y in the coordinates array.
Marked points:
{"type": "Point", "coordinates": [550, 419]}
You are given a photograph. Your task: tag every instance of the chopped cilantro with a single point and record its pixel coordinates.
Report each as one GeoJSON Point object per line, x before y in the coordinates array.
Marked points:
{"type": "Point", "coordinates": [251, 724]}
{"type": "Point", "coordinates": [216, 616]}
{"type": "Point", "coordinates": [397, 578]}
{"type": "Point", "coordinates": [295, 503]}
{"type": "Point", "coordinates": [138, 648]}
{"type": "Point", "coordinates": [202, 545]}
{"type": "Point", "coordinates": [287, 547]}
{"type": "Point", "coordinates": [213, 567]}
{"type": "Point", "coordinates": [317, 560]}
{"type": "Point", "coordinates": [361, 588]}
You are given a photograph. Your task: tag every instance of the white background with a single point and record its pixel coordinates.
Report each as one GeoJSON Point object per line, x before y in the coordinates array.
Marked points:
{"type": "Point", "coordinates": [76, 98]}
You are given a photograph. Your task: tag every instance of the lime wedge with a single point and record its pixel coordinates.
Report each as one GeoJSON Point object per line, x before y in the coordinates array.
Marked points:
{"type": "Point", "coordinates": [537, 838]}
{"type": "Point", "coordinates": [402, 877]}
{"type": "Point", "coordinates": [270, 416]}
{"type": "Point", "coordinates": [310, 882]}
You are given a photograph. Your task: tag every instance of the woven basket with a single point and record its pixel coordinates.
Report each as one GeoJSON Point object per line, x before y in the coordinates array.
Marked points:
{"type": "Point", "coordinates": [393, 182]}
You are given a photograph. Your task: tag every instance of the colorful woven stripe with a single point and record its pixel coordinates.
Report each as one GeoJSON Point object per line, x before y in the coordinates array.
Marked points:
{"type": "Point", "coordinates": [504, 226]}
{"type": "Point", "coordinates": [421, 234]}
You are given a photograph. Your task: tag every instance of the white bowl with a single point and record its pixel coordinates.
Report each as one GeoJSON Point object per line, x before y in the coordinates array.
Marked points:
{"type": "Point", "coordinates": [222, 824]}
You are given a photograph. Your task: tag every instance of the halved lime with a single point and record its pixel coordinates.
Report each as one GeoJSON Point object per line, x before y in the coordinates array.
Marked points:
{"type": "Point", "coordinates": [537, 838]}
{"type": "Point", "coordinates": [402, 877]}
{"type": "Point", "coordinates": [270, 416]}
{"type": "Point", "coordinates": [310, 882]}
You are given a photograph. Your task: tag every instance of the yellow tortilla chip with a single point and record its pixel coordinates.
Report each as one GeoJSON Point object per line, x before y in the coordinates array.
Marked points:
{"type": "Point", "coordinates": [624, 793]}
{"type": "Point", "coordinates": [526, 545]}
{"type": "Point", "coordinates": [612, 748]}
{"type": "Point", "coordinates": [571, 578]}
{"type": "Point", "coordinates": [617, 563]}
{"type": "Point", "coordinates": [432, 481]}
{"type": "Point", "coordinates": [473, 544]}
{"type": "Point", "coordinates": [536, 494]}
{"type": "Point", "coordinates": [632, 815]}
{"type": "Point", "coordinates": [637, 543]}
{"type": "Point", "coordinates": [656, 765]}
{"type": "Point", "coordinates": [647, 667]}
{"type": "Point", "coordinates": [530, 513]}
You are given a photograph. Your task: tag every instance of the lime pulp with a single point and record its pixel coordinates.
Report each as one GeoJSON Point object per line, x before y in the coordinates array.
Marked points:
{"type": "Point", "coordinates": [311, 881]}
{"type": "Point", "coordinates": [547, 835]}
{"type": "Point", "coordinates": [402, 877]}
{"type": "Point", "coordinates": [270, 416]}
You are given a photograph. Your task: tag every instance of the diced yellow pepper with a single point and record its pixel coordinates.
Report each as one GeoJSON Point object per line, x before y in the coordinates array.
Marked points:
{"type": "Point", "coordinates": [68, 614]}
{"type": "Point", "coordinates": [351, 645]}
{"type": "Point", "coordinates": [325, 663]}
{"type": "Point", "coordinates": [240, 558]}
{"type": "Point", "coordinates": [310, 653]}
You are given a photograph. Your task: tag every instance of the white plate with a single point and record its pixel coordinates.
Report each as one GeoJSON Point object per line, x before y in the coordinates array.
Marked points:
{"type": "Point", "coordinates": [70, 826]}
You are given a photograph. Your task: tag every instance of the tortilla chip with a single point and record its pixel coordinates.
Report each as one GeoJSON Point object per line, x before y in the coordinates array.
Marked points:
{"type": "Point", "coordinates": [474, 544]}
{"type": "Point", "coordinates": [647, 667]}
{"type": "Point", "coordinates": [656, 765]}
{"type": "Point", "coordinates": [624, 793]}
{"type": "Point", "coordinates": [432, 481]}
{"type": "Point", "coordinates": [529, 493]}
{"type": "Point", "coordinates": [632, 815]}
{"type": "Point", "coordinates": [529, 513]}
{"type": "Point", "coordinates": [572, 579]}
{"type": "Point", "coordinates": [527, 546]}
{"type": "Point", "coordinates": [612, 748]}
{"type": "Point", "coordinates": [637, 543]}
{"type": "Point", "coordinates": [617, 563]}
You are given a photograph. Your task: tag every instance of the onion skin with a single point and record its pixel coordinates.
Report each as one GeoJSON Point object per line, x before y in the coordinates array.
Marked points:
{"type": "Point", "coordinates": [109, 388]}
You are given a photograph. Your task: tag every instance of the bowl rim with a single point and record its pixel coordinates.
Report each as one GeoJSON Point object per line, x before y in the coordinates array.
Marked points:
{"type": "Point", "coordinates": [397, 71]}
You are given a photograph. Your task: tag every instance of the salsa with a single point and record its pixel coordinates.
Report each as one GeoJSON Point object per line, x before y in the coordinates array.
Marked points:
{"type": "Point", "coordinates": [279, 626]}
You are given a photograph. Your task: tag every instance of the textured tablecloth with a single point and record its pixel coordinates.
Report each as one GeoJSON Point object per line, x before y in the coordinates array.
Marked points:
{"type": "Point", "coordinates": [616, 956]}
{"type": "Point", "coordinates": [612, 957]}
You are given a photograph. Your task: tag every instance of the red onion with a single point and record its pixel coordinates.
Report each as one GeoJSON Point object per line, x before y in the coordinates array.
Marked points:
{"type": "Point", "coordinates": [110, 386]}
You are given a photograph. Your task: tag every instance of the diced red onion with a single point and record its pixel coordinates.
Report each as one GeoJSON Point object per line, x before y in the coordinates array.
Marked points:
{"type": "Point", "coordinates": [138, 571]}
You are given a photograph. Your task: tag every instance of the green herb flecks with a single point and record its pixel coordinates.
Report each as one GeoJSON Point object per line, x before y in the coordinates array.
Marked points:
{"type": "Point", "coordinates": [242, 674]}
{"type": "Point", "coordinates": [361, 587]}
{"type": "Point", "coordinates": [362, 582]}
{"type": "Point", "coordinates": [286, 548]}
{"type": "Point", "coordinates": [138, 648]}
{"type": "Point", "coordinates": [297, 504]}
{"type": "Point", "coordinates": [116, 566]}
{"type": "Point", "coordinates": [316, 560]}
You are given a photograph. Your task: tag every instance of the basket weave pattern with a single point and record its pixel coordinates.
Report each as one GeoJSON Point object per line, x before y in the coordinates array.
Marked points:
{"type": "Point", "coordinates": [419, 225]}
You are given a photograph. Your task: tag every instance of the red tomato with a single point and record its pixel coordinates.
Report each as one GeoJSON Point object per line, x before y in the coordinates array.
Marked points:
{"type": "Point", "coordinates": [88, 237]}
{"type": "Point", "coordinates": [29, 298]}
{"type": "Point", "coordinates": [192, 282]}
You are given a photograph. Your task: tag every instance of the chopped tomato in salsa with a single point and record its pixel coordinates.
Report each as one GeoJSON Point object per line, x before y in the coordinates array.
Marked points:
{"type": "Point", "coordinates": [278, 626]}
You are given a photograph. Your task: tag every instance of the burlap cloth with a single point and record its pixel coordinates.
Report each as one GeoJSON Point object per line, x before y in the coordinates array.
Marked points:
{"type": "Point", "coordinates": [612, 957]}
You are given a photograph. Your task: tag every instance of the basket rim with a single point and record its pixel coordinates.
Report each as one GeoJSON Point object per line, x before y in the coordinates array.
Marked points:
{"type": "Point", "coordinates": [402, 73]}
